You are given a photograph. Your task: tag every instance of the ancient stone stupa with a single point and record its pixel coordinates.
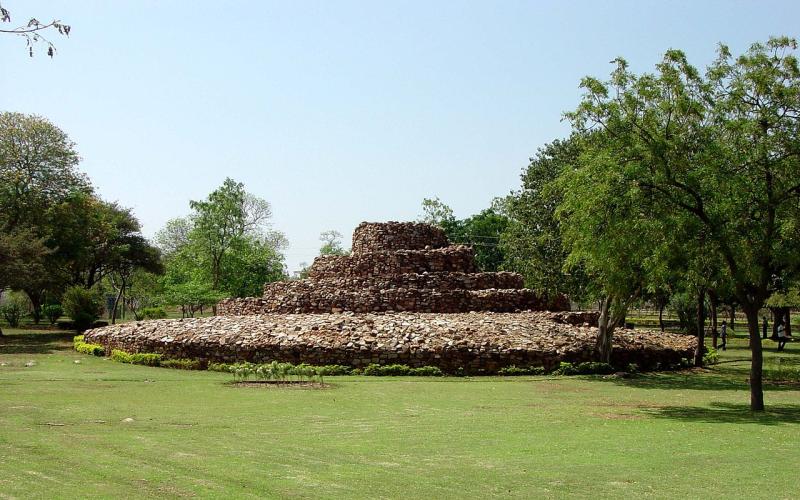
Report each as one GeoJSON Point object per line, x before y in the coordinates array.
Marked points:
{"type": "Point", "coordinates": [395, 267]}
{"type": "Point", "coordinates": [405, 296]}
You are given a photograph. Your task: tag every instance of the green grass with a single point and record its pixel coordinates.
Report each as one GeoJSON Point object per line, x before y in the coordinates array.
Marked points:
{"type": "Point", "coordinates": [65, 432]}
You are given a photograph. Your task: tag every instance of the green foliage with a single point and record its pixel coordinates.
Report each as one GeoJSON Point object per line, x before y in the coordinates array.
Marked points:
{"type": "Point", "coordinates": [82, 306]}
{"type": "Point", "coordinates": [14, 309]}
{"type": "Point", "coordinates": [585, 368]}
{"type": "Point", "coordinates": [182, 364]}
{"type": "Point", "coordinates": [153, 313]}
{"type": "Point", "coordinates": [532, 242]}
{"type": "Point", "coordinates": [52, 312]}
{"type": "Point", "coordinates": [332, 243]}
{"type": "Point", "coordinates": [481, 231]}
{"type": "Point", "coordinates": [83, 347]}
{"type": "Point", "coordinates": [710, 357]}
{"type": "Point", "coordinates": [139, 358]}
{"type": "Point", "coordinates": [224, 248]}
{"type": "Point", "coordinates": [334, 370]}
{"type": "Point", "coordinates": [397, 370]}
{"type": "Point", "coordinates": [510, 371]}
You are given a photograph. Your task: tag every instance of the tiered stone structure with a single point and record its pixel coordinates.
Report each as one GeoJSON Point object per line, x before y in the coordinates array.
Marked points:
{"type": "Point", "coordinates": [396, 267]}
{"type": "Point", "coordinates": [403, 296]}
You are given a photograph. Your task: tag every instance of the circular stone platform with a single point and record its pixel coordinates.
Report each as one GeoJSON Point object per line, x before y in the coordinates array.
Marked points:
{"type": "Point", "coordinates": [475, 342]}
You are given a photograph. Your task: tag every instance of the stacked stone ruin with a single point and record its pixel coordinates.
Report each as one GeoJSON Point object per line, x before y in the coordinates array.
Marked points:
{"type": "Point", "coordinates": [396, 267]}
{"type": "Point", "coordinates": [404, 295]}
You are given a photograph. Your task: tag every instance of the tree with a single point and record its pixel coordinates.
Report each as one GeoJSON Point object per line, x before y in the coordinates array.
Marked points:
{"type": "Point", "coordinates": [606, 237]}
{"type": "Point", "coordinates": [718, 150]}
{"type": "Point", "coordinates": [224, 247]}
{"type": "Point", "coordinates": [132, 252]}
{"type": "Point", "coordinates": [221, 221]}
{"type": "Point", "coordinates": [532, 242]}
{"type": "Point", "coordinates": [33, 30]}
{"type": "Point", "coordinates": [481, 231]}
{"type": "Point", "coordinates": [253, 263]}
{"type": "Point", "coordinates": [38, 168]}
{"type": "Point", "coordinates": [22, 258]}
{"type": "Point", "coordinates": [332, 243]}
{"type": "Point", "coordinates": [437, 213]}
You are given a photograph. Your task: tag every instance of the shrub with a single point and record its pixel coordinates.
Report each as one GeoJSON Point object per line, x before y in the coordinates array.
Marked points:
{"type": "Point", "coordinates": [711, 356]}
{"type": "Point", "coordinates": [426, 371]}
{"type": "Point", "coordinates": [83, 347]}
{"type": "Point", "coordinates": [510, 371]}
{"type": "Point", "coordinates": [12, 313]}
{"type": "Point", "coordinates": [15, 308]}
{"type": "Point", "coordinates": [586, 368]}
{"type": "Point", "coordinates": [153, 313]}
{"type": "Point", "coordinates": [182, 364]}
{"type": "Point", "coordinates": [82, 306]}
{"type": "Point", "coordinates": [52, 312]}
{"type": "Point", "coordinates": [139, 358]}
{"type": "Point", "coordinates": [334, 370]}
{"type": "Point", "coordinates": [386, 370]}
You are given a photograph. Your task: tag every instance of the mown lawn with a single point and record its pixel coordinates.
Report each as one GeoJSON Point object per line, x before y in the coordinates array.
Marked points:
{"type": "Point", "coordinates": [76, 426]}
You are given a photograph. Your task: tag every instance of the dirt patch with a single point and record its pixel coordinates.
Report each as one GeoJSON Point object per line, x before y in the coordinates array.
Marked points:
{"type": "Point", "coordinates": [294, 384]}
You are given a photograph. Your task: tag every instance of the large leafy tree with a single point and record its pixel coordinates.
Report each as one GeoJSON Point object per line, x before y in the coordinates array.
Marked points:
{"type": "Point", "coordinates": [719, 150]}
{"type": "Point", "coordinates": [532, 242]}
{"type": "Point", "coordinates": [606, 237]}
{"type": "Point", "coordinates": [38, 168]}
{"type": "Point", "coordinates": [224, 247]}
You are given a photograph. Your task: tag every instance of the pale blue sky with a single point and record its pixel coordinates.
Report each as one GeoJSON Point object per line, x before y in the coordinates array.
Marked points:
{"type": "Point", "coordinates": [338, 112]}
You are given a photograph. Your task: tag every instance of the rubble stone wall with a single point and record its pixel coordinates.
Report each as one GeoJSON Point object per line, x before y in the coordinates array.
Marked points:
{"type": "Point", "coordinates": [391, 236]}
{"type": "Point", "coordinates": [362, 265]}
{"type": "Point", "coordinates": [435, 280]}
{"type": "Point", "coordinates": [474, 342]}
{"type": "Point", "coordinates": [324, 300]}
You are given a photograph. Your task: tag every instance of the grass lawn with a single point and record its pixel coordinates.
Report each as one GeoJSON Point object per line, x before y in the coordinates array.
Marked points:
{"type": "Point", "coordinates": [73, 425]}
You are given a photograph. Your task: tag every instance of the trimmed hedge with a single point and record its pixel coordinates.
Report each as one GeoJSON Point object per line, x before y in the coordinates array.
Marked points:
{"type": "Point", "coordinates": [139, 358]}
{"type": "Point", "coordinates": [83, 347]}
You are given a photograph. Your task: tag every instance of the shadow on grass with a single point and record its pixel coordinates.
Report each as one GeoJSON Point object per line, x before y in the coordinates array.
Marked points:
{"type": "Point", "coordinates": [729, 413]}
{"type": "Point", "coordinates": [35, 343]}
{"type": "Point", "coordinates": [695, 380]}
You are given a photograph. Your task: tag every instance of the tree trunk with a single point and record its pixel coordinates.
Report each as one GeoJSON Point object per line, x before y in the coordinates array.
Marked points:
{"type": "Point", "coordinates": [787, 320]}
{"type": "Point", "coordinates": [712, 296]}
{"type": "Point", "coordinates": [701, 327]}
{"type": "Point", "coordinates": [116, 304]}
{"type": "Point", "coordinates": [733, 317]}
{"type": "Point", "coordinates": [661, 315]}
{"type": "Point", "coordinates": [756, 361]}
{"type": "Point", "coordinates": [776, 320]}
{"type": "Point", "coordinates": [605, 330]}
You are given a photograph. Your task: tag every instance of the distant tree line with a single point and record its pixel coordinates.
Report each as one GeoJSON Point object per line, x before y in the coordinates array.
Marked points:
{"type": "Point", "coordinates": [60, 241]}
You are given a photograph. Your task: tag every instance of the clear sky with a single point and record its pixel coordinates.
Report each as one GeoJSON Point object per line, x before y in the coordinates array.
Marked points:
{"type": "Point", "coordinates": [338, 112]}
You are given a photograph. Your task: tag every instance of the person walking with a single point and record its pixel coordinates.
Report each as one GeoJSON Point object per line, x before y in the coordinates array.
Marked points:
{"type": "Point", "coordinates": [764, 327]}
{"type": "Point", "coordinates": [781, 337]}
{"type": "Point", "coordinates": [724, 335]}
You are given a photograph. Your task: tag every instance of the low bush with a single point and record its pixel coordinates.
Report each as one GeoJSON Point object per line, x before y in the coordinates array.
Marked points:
{"type": "Point", "coordinates": [153, 313]}
{"type": "Point", "coordinates": [386, 370]}
{"type": "Point", "coordinates": [52, 312]}
{"type": "Point", "coordinates": [426, 371]}
{"type": "Point", "coordinates": [711, 356]}
{"type": "Point", "coordinates": [182, 364]}
{"type": "Point", "coordinates": [586, 368]}
{"type": "Point", "coordinates": [15, 308]}
{"type": "Point", "coordinates": [83, 347]}
{"type": "Point", "coordinates": [334, 370]}
{"type": "Point", "coordinates": [511, 371]}
{"type": "Point", "coordinates": [139, 358]}
{"type": "Point", "coordinates": [82, 306]}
